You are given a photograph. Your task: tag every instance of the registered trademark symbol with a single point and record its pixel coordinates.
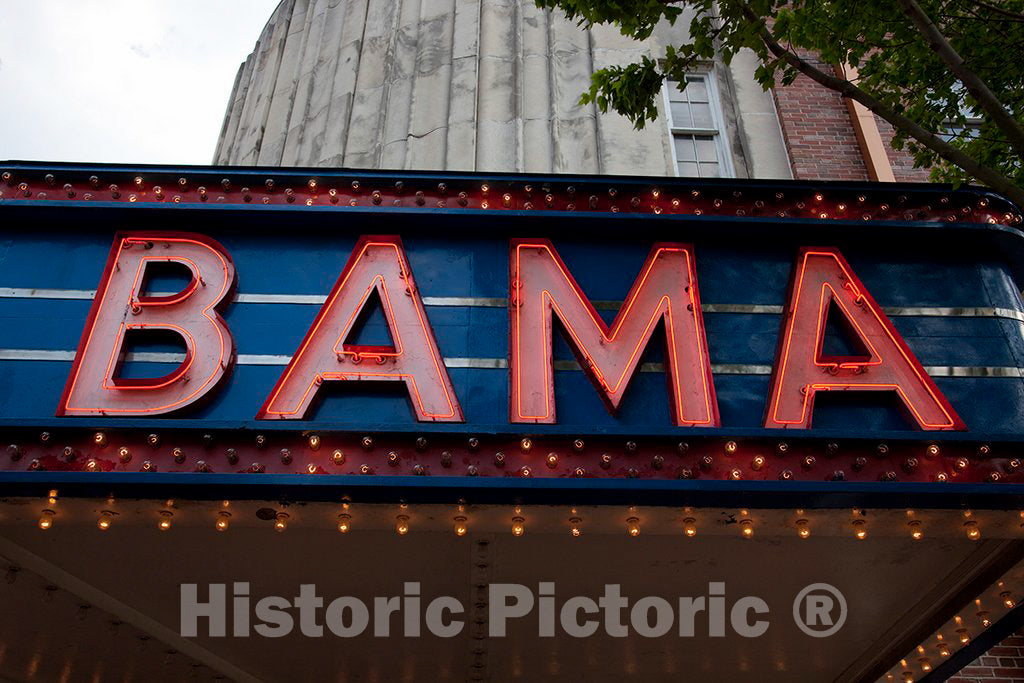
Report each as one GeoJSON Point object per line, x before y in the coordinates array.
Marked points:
{"type": "Point", "coordinates": [819, 610]}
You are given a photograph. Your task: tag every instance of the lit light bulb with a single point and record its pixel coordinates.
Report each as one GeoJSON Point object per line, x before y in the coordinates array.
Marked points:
{"type": "Point", "coordinates": [803, 530]}
{"type": "Point", "coordinates": [915, 530]}
{"type": "Point", "coordinates": [964, 636]}
{"type": "Point", "coordinates": [222, 520]}
{"type": "Point", "coordinates": [52, 497]}
{"type": "Point", "coordinates": [574, 527]}
{"type": "Point", "coordinates": [46, 521]}
{"type": "Point", "coordinates": [402, 525]}
{"type": "Point", "coordinates": [1007, 599]}
{"type": "Point", "coordinates": [690, 527]}
{"type": "Point", "coordinates": [747, 528]}
{"type": "Point", "coordinates": [281, 522]}
{"type": "Point", "coordinates": [518, 528]}
{"type": "Point", "coordinates": [104, 521]}
{"type": "Point", "coordinates": [633, 525]}
{"type": "Point", "coordinates": [985, 621]}
{"type": "Point", "coordinates": [944, 650]}
{"type": "Point", "coordinates": [860, 532]}
{"type": "Point", "coordinates": [460, 526]}
{"type": "Point", "coordinates": [344, 521]}
{"type": "Point", "coordinates": [973, 532]}
{"type": "Point", "coordinates": [165, 522]}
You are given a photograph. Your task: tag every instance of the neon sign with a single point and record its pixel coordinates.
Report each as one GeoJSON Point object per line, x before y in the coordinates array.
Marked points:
{"type": "Point", "coordinates": [541, 289]}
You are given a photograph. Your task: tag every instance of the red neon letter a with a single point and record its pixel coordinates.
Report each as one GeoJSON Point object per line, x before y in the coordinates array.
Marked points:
{"type": "Point", "coordinates": [823, 277]}
{"type": "Point", "coordinates": [93, 388]}
{"type": "Point", "coordinates": [666, 289]}
{"type": "Point", "coordinates": [376, 263]}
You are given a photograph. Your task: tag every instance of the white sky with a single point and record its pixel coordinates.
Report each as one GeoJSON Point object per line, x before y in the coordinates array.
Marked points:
{"type": "Point", "coordinates": [140, 81]}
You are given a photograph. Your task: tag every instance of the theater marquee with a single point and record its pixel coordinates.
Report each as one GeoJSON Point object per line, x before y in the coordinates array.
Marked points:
{"type": "Point", "coordinates": [234, 321]}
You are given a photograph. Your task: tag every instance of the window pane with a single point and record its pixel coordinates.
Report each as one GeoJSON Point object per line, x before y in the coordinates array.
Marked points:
{"type": "Point", "coordinates": [697, 90]}
{"type": "Point", "coordinates": [709, 170]}
{"type": "Point", "coordinates": [707, 150]}
{"type": "Point", "coordinates": [702, 115]}
{"type": "Point", "coordinates": [673, 92]}
{"type": "Point", "coordinates": [681, 115]}
{"type": "Point", "coordinates": [688, 169]}
{"type": "Point", "coordinates": [684, 148]}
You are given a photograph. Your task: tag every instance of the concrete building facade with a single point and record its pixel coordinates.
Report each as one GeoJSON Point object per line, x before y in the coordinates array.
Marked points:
{"type": "Point", "coordinates": [478, 85]}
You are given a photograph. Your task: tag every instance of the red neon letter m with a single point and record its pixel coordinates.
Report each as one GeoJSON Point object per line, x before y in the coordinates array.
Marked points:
{"type": "Point", "coordinates": [665, 290]}
{"type": "Point", "coordinates": [823, 278]}
{"type": "Point", "coordinates": [94, 387]}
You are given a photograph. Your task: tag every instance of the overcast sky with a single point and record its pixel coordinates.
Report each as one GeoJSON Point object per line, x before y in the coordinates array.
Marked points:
{"type": "Point", "coordinates": [140, 81]}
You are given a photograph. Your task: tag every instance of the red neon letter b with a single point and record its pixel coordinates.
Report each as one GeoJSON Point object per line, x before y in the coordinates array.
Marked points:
{"type": "Point", "coordinates": [94, 387]}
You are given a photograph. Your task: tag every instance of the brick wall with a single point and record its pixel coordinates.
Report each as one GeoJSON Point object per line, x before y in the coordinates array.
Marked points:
{"type": "Point", "coordinates": [820, 139]}
{"type": "Point", "coordinates": [818, 133]}
{"type": "Point", "coordinates": [1004, 663]}
{"type": "Point", "coordinates": [902, 162]}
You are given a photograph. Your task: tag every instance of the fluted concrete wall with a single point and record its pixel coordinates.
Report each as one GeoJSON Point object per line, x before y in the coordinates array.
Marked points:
{"type": "Point", "coordinates": [486, 85]}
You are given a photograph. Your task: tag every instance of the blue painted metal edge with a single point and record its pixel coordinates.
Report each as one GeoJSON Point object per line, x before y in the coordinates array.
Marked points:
{"type": "Point", "coordinates": [515, 490]}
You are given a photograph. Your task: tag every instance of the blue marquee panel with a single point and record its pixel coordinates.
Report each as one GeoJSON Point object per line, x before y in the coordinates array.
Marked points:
{"type": "Point", "coordinates": [60, 255]}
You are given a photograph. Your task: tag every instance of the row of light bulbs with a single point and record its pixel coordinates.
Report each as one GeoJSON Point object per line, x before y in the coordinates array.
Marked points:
{"type": "Point", "coordinates": [545, 195]}
{"type": "Point", "coordinates": [963, 635]}
{"type": "Point", "coordinates": [460, 521]}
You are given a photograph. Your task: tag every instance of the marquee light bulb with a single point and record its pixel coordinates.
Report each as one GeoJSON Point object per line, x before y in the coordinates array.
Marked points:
{"type": "Point", "coordinates": [165, 520]}
{"type": "Point", "coordinates": [52, 498]}
{"type": "Point", "coordinates": [402, 525]}
{"type": "Point", "coordinates": [574, 526]}
{"type": "Point", "coordinates": [915, 530]}
{"type": "Point", "coordinates": [803, 530]}
{"type": "Point", "coordinates": [860, 530]}
{"type": "Point", "coordinates": [965, 637]}
{"type": "Point", "coordinates": [222, 520]}
{"type": "Point", "coordinates": [46, 521]}
{"type": "Point", "coordinates": [973, 532]}
{"type": "Point", "coordinates": [460, 526]}
{"type": "Point", "coordinates": [747, 528]}
{"type": "Point", "coordinates": [1007, 599]}
{"type": "Point", "coordinates": [633, 526]}
{"type": "Point", "coordinates": [281, 522]}
{"type": "Point", "coordinates": [104, 521]}
{"type": "Point", "coordinates": [518, 527]}
{"type": "Point", "coordinates": [690, 527]}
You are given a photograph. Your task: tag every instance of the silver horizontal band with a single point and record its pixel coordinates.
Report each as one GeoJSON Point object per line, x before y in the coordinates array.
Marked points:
{"type": "Point", "coordinates": [501, 302]}
{"type": "Point", "coordinates": [488, 363]}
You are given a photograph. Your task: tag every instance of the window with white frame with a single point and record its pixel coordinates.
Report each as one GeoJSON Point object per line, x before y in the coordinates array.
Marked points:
{"type": "Point", "coordinates": [699, 146]}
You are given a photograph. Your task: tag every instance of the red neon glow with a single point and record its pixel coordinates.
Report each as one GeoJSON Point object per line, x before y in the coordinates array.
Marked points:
{"type": "Point", "coordinates": [377, 263]}
{"type": "Point", "coordinates": [93, 387]}
{"type": "Point", "coordinates": [801, 370]}
{"type": "Point", "coordinates": [666, 289]}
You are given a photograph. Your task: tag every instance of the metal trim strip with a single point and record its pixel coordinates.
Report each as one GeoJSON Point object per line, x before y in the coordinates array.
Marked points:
{"type": "Point", "coordinates": [501, 302]}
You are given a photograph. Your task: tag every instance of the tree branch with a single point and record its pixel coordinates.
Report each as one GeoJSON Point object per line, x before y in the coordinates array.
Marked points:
{"type": "Point", "coordinates": [979, 90]}
{"type": "Point", "coordinates": [989, 176]}
{"type": "Point", "coordinates": [1012, 16]}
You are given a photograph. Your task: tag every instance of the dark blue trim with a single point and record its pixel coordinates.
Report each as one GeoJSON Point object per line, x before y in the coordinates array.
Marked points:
{"type": "Point", "coordinates": [503, 490]}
